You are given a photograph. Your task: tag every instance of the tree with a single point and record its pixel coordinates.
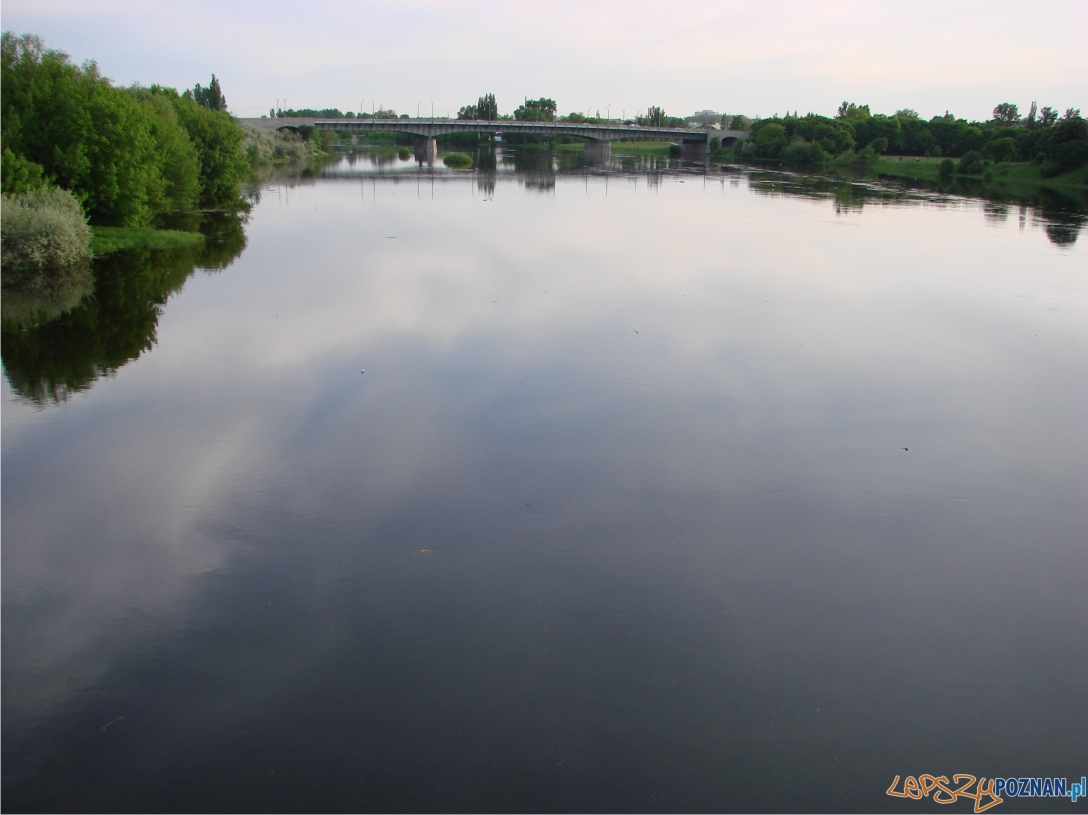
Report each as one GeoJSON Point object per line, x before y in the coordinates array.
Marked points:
{"type": "Point", "coordinates": [907, 113]}
{"type": "Point", "coordinates": [210, 97]}
{"type": "Point", "coordinates": [998, 150]}
{"type": "Point", "coordinates": [878, 145]}
{"type": "Point", "coordinates": [849, 112]}
{"type": "Point", "coordinates": [769, 140]}
{"type": "Point", "coordinates": [970, 163]}
{"type": "Point", "coordinates": [177, 185]}
{"type": "Point", "coordinates": [1068, 144]}
{"type": "Point", "coordinates": [1006, 113]}
{"type": "Point", "coordinates": [218, 142]}
{"type": "Point", "coordinates": [1029, 120]}
{"type": "Point", "coordinates": [536, 110]}
{"type": "Point", "coordinates": [1047, 116]}
{"type": "Point", "coordinates": [485, 108]}
{"type": "Point", "coordinates": [86, 135]}
{"type": "Point", "coordinates": [655, 117]}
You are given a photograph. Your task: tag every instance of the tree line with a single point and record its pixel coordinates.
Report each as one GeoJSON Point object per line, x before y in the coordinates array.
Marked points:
{"type": "Point", "coordinates": [128, 155]}
{"type": "Point", "coordinates": [1056, 143]}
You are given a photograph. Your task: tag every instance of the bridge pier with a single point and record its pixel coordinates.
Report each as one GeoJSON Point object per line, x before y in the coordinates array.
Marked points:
{"type": "Point", "coordinates": [598, 152]}
{"type": "Point", "coordinates": [426, 150]}
{"type": "Point", "coordinates": [694, 150]}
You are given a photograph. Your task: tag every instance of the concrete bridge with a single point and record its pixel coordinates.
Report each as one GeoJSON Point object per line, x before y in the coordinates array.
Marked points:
{"type": "Point", "coordinates": [694, 143]}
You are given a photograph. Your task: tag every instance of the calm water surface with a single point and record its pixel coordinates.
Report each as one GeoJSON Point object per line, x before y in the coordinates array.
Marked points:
{"type": "Point", "coordinates": [659, 492]}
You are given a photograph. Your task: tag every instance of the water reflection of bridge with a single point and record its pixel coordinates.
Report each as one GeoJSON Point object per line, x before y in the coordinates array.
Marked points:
{"type": "Point", "coordinates": [484, 182]}
{"type": "Point", "coordinates": [599, 137]}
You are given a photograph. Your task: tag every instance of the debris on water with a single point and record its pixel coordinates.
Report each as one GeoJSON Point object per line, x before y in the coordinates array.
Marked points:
{"type": "Point", "coordinates": [636, 330]}
{"type": "Point", "coordinates": [115, 721]}
{"type": "Point", "coordinates": [906, 448]}
{"type": "Point", "coordinates": [424, 551]}
{"type": "Point", "coordinates": [362, 372]}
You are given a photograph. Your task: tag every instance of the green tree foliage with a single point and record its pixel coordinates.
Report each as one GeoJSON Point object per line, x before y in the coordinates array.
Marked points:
{"type": "Point", "coordinates": [870, 129]}
{"type": "Point", "coordinates": [1006, 113]}
{"type": "Point", "coordinates": [88, 136]}
{"type": "Point", "coordinates": [655, 116]}
{"type": "Point", "coordinates": [19, 174]}
{"type": "Point", "coordinates": [126, 154]}
{"type": "Point", "coordinates": [1067, 145]}
{"type": "Point", "coordinates": [970, 163]}
{"type": "Point", "coordinates": [536, 110]}
{"type": "Point", "coordinates": [770, 140]}
{"type": "Point", "coordinates": [210, 97]}
{"type": "Point", "coordinates": [486, 108]}
{"type": "Point", "coordinates": [177, 186]}
{"type": "Point", "coordinates": [804, 153]}
{"type": "Point", "coordinates": [849, 112]}
{"type": "Point", "coordinates": [1004, 149]}
{"type": "Point", "coordinates": [832, 136]}
{"type": "Point", "coordinates": [218, 142]}
{"type": "Point", "coordinates": [1048, 116]}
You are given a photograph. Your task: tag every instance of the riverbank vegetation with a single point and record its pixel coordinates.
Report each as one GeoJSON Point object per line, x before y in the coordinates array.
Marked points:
{"type": "Point", "coordinates": [76, 150]}
{"type": "Point", "coordinates": [1046, 148]}
{"type": "Point", "coordinates": [458, 161]}
{"type": "Point", "coordinates": [44, 228]}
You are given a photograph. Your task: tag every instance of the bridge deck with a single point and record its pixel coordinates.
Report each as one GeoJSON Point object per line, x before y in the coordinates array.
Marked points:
{"type": "Point", "coordinates": [440, 127]}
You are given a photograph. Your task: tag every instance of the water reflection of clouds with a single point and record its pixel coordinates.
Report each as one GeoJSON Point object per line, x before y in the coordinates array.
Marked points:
{"type": "Point", "coordinates": [720, 356]}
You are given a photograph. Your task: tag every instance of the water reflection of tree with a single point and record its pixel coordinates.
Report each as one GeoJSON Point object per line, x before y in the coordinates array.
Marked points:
{"type": "Point", "coordinates": [1061, 216]}
{"type": "Point", "coordinates": [47, 356]}
{"type": "Point", "coordinates": [536, 168]}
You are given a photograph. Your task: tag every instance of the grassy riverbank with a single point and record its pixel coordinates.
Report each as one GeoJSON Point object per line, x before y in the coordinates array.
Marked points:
{"type": "Point", "coordinates": [106, 239]}
{"type": "Point", "coordinates": [621, 148]}
{"type": "Point", "coordinates": [1013, 174]}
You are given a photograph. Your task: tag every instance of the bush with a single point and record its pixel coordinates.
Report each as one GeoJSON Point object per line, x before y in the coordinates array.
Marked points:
{"type": "Point", "coordinates": [946, 169]}
{"type": "Point", "coordinates": [262, 147]}
{"type": "Point", "coordinates": [675, 151]}
{"type": "Point", "coordinates": [999, 150]}
{"type": "Point", "coordinates": [879, 145]}
{"type": "Point", "coordinates": [1072, 154]}
{"type": "Point", "coordinates": [404, 153]}
{"type": "Point", "coordinates": [804, 153]}
{"type": "Point", "coordinates": [970, 163]}
{"type": "Point", "coordinates": [715, 143]}
{"type": "Point", "coordinates": [458, 161]}
{"type": "Point", "coordinates": [44, 229]}
{"type": "Point", "coordinates": [1069, 143]}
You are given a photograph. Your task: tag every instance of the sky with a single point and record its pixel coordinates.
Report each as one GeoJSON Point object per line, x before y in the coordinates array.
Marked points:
{"type": "Point", "coordinates": [614, 57]}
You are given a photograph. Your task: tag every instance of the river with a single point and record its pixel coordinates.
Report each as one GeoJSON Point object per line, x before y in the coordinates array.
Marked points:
{"type": "Point", "coordinates": [553, 488]}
